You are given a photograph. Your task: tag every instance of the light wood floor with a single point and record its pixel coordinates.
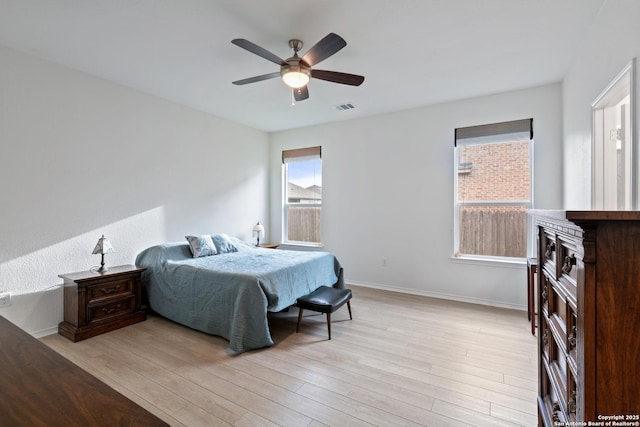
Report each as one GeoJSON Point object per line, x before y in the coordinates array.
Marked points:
{"type": "Point", "coordinates": [403, 361]}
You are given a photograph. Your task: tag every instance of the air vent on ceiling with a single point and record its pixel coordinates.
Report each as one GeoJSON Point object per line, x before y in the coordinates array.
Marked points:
{"type": "Point", "coordinates": [345, 106]}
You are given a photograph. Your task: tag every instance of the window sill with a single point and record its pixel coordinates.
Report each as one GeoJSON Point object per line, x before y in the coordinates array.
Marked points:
{"type": "Point", "coordinates": [300, 245]}
{"type": "Point", "coordinates": [493, 262]}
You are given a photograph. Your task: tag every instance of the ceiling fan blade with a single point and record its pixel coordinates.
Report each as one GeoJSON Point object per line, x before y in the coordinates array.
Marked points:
{"type": "Point", "coordinates": [260, 51]}
{"type": "Point", "coordinates": [301, 93]}
{"type": "Point", "coordinates": [257, 78]}
{"type": "Point", "coordinates": [326, 47]}
{"type": "Point", "coordinates": [336, 77]}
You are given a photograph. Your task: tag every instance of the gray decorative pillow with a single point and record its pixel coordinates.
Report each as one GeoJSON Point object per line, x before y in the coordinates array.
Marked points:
{"type": "Point", "coordinates": [224, 244]}
{"type": "Point", "coordinates": [201, 245]}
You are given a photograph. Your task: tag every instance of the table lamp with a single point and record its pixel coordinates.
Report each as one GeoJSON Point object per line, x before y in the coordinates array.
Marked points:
{"type": "Point", "coordinates": [103, 247]}
{"type": "Point", "coordinates": [258, 231]}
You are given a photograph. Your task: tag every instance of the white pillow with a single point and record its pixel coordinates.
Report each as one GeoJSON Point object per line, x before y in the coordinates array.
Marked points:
{"type": "Point", "coordinates": [201, 245]}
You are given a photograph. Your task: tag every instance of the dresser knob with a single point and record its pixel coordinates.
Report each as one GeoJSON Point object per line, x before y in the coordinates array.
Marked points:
{"type": "Point", "coordinates": [572, 403]}
{"type": "Point", "coordinates": [569, 262]}
{"type": "Point", "coordinates": [572, 338]}
{"type": "Point", "coordinates": [551, 247]}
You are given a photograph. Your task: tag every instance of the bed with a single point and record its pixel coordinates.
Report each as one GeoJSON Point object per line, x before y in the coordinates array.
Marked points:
{"type": "Point", "coordinates": [229, 294]}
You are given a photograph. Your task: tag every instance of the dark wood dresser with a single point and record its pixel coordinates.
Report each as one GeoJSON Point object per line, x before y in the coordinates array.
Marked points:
{"type": "Point", "coordinates": [589, 316]}
{"type": "Point", "coordinates": [39, 387]}
{"type": "Point", "coordinates": [95, 303]}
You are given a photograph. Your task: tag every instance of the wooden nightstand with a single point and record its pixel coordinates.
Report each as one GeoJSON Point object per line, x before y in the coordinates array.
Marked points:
{"type": "Point", "coordinates": [269, 245]}
{"type": "Point", "coordinates": [95, 303]}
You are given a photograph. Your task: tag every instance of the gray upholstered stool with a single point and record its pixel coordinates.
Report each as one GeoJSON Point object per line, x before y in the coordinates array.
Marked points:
{"type": "Point", "coordinates": [326, 300]}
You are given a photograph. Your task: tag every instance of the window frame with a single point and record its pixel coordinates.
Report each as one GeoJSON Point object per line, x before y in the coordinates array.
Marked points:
{"type": "Point", "coordinates": [310, 153]}
{"type": "Point", "coordinates": [491, 134]}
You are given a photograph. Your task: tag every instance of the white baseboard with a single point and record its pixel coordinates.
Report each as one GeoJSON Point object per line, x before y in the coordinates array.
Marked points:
{"type": "Point", "coordinates": [45, 332]}
{"type": "Point", "coordinates": [440, 295]}
{"type": "Point", "coordinates": [37, 313]}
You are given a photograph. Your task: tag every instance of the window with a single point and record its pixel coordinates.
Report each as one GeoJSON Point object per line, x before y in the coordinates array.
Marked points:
{"type": "Point", "coordinates": [303, 195]}
{"type": "Point", "coordinates": [493, 189]}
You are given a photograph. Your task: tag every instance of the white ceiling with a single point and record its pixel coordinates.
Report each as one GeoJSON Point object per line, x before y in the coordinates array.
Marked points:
{"type": "Point", "coordinates": [412, 52]}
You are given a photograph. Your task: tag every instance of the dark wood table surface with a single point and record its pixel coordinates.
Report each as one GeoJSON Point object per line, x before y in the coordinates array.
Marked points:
{"type": "Point", "coordinates": [39, 387]}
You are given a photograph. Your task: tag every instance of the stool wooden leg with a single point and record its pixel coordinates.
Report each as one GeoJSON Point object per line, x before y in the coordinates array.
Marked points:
{"type": "Point", "coordinates": [349, 307]}
{"type": "Point", "coordinates": [299, 319]}
{"type": "Point", "coordinates": [329, 324]}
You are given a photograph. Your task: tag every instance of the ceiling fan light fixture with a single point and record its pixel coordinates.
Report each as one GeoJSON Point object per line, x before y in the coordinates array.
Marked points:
{"type": "Point", "coordinates": [295, 78]}
{"type": "Point", "coordinates": [296, 71]}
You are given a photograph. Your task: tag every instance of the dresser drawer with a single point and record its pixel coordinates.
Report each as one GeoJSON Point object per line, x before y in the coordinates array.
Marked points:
{"type": "Point", "coordinates": [545, 334]}
{"type": "Point", "coordinates": [110, 289]}
{"type": "Point", "coordinates": [558, 377]}
{"type": "Point", "coordinates": [572, 405]}
{"type": "Point", "coordinates": [548, 252]}
{"type": "Point", "coordinates": [557, 403]}
{"type": "Point", "coordinates": [560, 364]}
{"type": "Point", "coordinates": [572, 341]}
{"type": "Point", "coordinates": [570, 261]}
{"type": "Point", "coordinates": [557, 354]}
{"type": "Point", "coordinates": [545, 286]}
{"type": "Point", "coordinates": [557, 307]}
{"type": "Point", "coordinates": [110, 309]}
{"type": "Point", "coordinates": [549, 401]}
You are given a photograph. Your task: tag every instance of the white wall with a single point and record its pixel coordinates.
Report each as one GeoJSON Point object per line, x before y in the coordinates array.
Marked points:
{"type": "Point", "coordinates": [388, 193]}
{"type": "Point", "coordinates": [81, 157]}
{"type": "Point", "coordinates": [613, 41]}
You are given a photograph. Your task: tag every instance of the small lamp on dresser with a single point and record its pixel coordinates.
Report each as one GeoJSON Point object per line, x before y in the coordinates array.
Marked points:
{"type": "Point", "coordinates": [103, 247]}
{"type": "Point", "coordinates": [258, 231]}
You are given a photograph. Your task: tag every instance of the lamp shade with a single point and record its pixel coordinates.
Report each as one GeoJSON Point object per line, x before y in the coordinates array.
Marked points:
{"type": "Point", "coordinates": [103, 246]}
{"type": "Point", "coordinates": [258, 232]}
{"type": "Point", "coordinates": [258, 229]}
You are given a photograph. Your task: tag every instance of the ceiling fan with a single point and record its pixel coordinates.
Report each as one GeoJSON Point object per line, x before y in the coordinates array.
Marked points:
{"type": "Point", "coordinates": [297, 71]}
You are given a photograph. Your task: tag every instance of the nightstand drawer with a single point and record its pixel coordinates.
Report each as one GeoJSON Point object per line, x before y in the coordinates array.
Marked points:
{"type": "Point", "coordinates": [110, 289]}
{"type": "Point", "coordinates": [114, 308]}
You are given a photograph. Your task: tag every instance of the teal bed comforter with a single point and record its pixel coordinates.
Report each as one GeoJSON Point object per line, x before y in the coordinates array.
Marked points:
{"type": "Point", "coordinates": [230, 294]}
